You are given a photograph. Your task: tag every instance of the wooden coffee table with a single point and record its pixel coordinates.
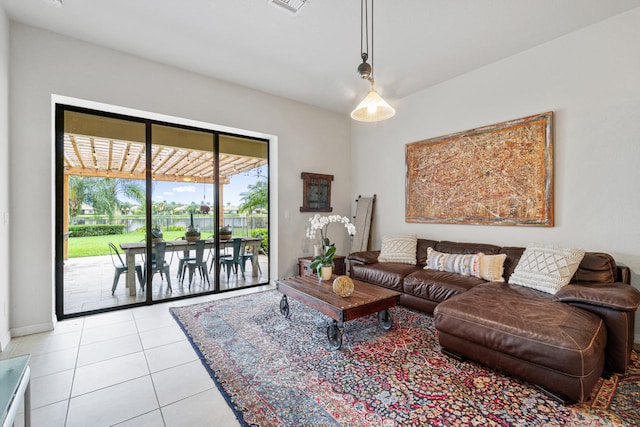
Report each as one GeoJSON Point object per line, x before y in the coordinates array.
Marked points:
{"type": "Point", "coordinates": [318, 294]}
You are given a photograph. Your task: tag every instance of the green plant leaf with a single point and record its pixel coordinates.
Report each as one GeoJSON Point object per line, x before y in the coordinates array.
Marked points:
{"type": "Point", "coordinates": [331, 251]}
{"type": "Point", "coordinates": [315, 264]}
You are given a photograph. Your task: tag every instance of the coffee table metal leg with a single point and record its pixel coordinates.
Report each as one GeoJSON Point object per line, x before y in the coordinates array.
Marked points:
{"type": "Point", "coordinates": [334, 335]}
{"type": "Point", "coordinates": [384, 320]}
{"type": "Point", "coordinates": [284, 306]}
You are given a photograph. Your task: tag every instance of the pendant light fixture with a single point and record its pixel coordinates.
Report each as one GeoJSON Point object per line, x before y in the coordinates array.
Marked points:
{"type": "Point", "coordinates": [372, 108]}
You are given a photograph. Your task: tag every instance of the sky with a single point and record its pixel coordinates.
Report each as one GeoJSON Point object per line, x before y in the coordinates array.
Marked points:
{"type": "Point", "coordinates": [185, 192]}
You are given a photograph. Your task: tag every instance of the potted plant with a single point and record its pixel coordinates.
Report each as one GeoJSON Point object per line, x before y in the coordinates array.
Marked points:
{"type": "Point", "coordinates": [323, 264]}
{"type": "Point", "coordinates": [192, 233]}
{"type": "Point", "coordinates": [156, 234]}
{"type": "Point", "coordinates": [225, 232]}
{"type": "Point", "coordinates": [321, 223]}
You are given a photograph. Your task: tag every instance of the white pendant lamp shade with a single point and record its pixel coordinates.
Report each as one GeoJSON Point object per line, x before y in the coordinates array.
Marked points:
{"type": "Point", "coordinates": [373, 108]}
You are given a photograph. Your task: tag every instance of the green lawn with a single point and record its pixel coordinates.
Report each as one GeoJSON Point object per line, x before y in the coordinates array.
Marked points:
{"type": "Point", "coordinates": [99, 245]}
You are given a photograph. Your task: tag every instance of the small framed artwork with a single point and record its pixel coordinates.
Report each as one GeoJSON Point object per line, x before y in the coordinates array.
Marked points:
{"type": "Point", "coordinates": [316, 192]}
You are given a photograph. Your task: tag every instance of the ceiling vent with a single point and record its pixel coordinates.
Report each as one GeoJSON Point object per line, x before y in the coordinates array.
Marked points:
{"type": "Point", "coordinates": [291, 6]}
{"type": "Point", "coordinates": [53, 3]}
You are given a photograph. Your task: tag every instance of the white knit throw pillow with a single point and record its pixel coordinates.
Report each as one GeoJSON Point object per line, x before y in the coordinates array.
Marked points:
{"type": "Point", "coordinates": [546, 268]}
{"type": "Point", "coordinates": [399, 248]}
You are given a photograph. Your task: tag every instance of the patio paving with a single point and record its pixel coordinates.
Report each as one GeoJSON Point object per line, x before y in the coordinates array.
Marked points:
{"type": "Point", "coordinates": [88, 281]}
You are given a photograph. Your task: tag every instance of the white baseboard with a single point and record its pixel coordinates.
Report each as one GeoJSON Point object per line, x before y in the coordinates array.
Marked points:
{"type": "Point", "coordinates": [636, 341]}
{"type": "Point", "coordinates": [4, 340]}
{"type": "Point", "coordinates": [32, 329]}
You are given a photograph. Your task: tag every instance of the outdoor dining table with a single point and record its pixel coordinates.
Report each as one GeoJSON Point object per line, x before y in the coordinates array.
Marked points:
{"type": "Point", "coordinates": [133, 249]}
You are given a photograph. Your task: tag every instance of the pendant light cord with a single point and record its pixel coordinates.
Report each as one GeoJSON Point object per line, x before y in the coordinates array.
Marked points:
{"type": "Point", "coordinates": [363, 27]}
{"type": "Point", "coordinates": [364, 32]}
{"type": "Point", "coordinates": [371, 39]}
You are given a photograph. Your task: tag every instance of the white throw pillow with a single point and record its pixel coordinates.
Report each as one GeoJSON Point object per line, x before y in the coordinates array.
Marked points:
{"type": "Point", "coordinates": [546, 268]}
{"type": "Point", "coordinates": [399, 248]}
{"type": "Point", "coordinates": [464, 264]}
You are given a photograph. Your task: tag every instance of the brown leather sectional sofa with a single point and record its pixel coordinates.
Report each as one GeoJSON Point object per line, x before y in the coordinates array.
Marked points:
{"type": "Point", "coordinates": [562, 342]}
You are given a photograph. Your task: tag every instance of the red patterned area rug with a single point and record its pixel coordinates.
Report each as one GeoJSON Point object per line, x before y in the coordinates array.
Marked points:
{"type": "Point", "coordinates": [620, 395]}
{"type": "Point", "coordinates": [275, 371]}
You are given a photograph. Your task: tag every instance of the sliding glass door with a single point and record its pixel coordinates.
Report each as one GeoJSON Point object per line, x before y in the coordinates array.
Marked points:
{"type": "Point", "coordinates": [101, 195]}
{"type": "Point", "coordinates": [149, 211]}
{"type": "Point", "coordinates": [183, 213]}
{"type": "Point", "coordinates": [244, 203]}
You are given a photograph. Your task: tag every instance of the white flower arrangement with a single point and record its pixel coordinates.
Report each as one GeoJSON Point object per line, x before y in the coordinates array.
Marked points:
{"type": "Point", "coordinates": [321, 222]}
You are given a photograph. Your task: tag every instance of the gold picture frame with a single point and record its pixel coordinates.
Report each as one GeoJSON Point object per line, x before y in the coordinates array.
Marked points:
{"type": "Point", "coordinates": [500, 174]}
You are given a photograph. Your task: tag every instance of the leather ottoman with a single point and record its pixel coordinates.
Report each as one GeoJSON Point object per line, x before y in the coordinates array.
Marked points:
{"type": "Point", "coordinates": [527, 334]}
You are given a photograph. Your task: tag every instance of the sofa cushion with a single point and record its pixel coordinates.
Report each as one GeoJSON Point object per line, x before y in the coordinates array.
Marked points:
{"type": "Point", "coordinates": [596, 267]}
{"type": "Point", "coordinates": [523, 323]}
{"type": "Point", "coordinates": [464, 264]}
{"type": "Point", "coordinates": [387, 274]}
{"type": "Point", "coordinates": [513, 257]}
{"type": "Point", "coordinates": [438, 285]}
{"type": "Point", "coordinates": [491, 267]}
{"type": "Point", "coordinates": [398, 248]}
{"type": "Point", "coordinates": [541, 338]}
{"type": "Point", "coordinates": [546, 268]}
{"type": "Point", "coordinates": [466, 248]}
{"type": "Point", "coordinates": [421, 251]}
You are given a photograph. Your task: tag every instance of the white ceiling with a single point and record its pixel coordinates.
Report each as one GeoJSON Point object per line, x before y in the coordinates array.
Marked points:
{"type": "Point", "coordinates": [312, 56]}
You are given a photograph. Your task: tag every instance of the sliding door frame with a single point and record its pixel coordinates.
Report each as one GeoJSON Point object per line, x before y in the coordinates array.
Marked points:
{"type": "Point", "coordinates": [60, 109]}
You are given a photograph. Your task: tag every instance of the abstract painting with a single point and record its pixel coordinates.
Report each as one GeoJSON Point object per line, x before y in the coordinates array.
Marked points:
{"type": "Point", "coordinates": [500, 174]}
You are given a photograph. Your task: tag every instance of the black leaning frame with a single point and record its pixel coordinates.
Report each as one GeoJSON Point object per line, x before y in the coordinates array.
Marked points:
{"type": "Point", "coordinates": [60, 108]}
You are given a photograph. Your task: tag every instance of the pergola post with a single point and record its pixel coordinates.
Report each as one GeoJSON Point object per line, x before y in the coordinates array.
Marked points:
{"type": "Point", "coordinates": [221, 205]}
{"type": "Point", "coordinates": [65, 217]}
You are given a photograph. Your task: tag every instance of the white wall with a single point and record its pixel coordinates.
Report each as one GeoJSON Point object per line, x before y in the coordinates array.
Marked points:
{"type": "Point", "coordinates": [43, 63]}
{"type": "Point", "coordinates": [591, 80]}
{"type": "Point", "coordinates": [4, 179]}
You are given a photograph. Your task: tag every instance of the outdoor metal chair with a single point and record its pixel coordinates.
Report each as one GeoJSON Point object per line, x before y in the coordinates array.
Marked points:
{"type": "Point", "coordinates": [222, 253]}
{"type": "Point", "coordinates": [159, 264]}
{"type": "Point", "coordinates": [183, 258]}
{"type": "Point", "coordinates": [249, 256]}
{"type": "Point", "coordinates": [199, 262]}
{"type": "Point", "coordinates": [235, 260]}
{"type": "Point", "coordinates": [121, 267]}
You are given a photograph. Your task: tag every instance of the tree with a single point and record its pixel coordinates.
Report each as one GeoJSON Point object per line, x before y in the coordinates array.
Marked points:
{"type": "Point", "coordinates": [256, 197]}
{"type": "Point", "coordinates": [78, 194]}
{"type": "Point", "coordinates": [193, 208]}
{"type": "Point", "coordinates": [159, 208]}
{"type": "Point", "coordinates": [104, 194]}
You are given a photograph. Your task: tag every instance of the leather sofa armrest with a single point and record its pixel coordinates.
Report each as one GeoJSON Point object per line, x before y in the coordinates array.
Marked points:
{"type": "Point", "coordinates": [624, 274]}
{"type": "Point", "coordinates": [365, 257]}
{"type": "Point", "coordinates": [617, 296]}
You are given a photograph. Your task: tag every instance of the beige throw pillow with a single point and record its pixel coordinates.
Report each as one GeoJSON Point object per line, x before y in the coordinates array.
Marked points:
{"type": "Point", "coordinates": [399, 248]}
{"type": "Point", "coordinates": [546, 268]}
{"type": "Point", "coordinates": [491, 267]}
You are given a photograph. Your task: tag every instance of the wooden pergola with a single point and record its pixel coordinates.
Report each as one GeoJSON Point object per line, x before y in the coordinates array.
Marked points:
{"type": "Point", "coordinates": [109, 158]}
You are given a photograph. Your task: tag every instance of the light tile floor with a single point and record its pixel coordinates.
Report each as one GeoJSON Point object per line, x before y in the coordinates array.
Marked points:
{"type": "Point", "coordinates": [131, 367]}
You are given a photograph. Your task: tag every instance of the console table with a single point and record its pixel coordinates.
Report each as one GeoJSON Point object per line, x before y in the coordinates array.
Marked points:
{"type": "Point", "coordinates": [339, 268]}
{"type": "Point", "coordinates": [15, 386]}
